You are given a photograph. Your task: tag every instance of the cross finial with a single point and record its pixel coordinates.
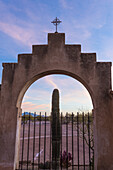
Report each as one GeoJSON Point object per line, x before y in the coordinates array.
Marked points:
{"type": "Point", "coordinates": [56, 22]}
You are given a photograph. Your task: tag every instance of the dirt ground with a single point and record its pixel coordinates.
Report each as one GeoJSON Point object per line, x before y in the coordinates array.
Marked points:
{"type": "Point", "coordinates": [35, 144]}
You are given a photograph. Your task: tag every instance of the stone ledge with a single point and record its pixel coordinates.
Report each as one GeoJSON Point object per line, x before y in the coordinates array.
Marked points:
{"type": "Point", "coordinates": [56, 39]}
{"type": "Point", "coordinates": [88, 57]}
{"type": "Point", "coordinates": [9, 65]}
{"type": "Point", "coordinates": [39, 49]}
{"type": "Point", "coordinates": [23, 57]}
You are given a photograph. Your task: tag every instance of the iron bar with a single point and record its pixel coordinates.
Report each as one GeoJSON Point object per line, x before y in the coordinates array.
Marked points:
{"type": "Point", "coordinates": [61, 143]}
{"type": "Point", "coordinates": [93, 140]}
{"type": "Point", "coordinates": [67, 140]}
{"type": "Point", "coordinates": [23, 140]}
{"type": "Point", "coordinates": [28, 141]}
{"type": "Point", "coordinates": [72, 142]}
{"type": "Point", "coordinates": [33, 142]}
{"type": "Point", "coordinates": [39, 139]}
{"type": "Point", "coordinates": [52, 136]}
{"type": "Point", "coordinates": [56, 142]}
{"type": "Point", "coordinates": [50, 141]}
{"type": "Point", "coordinates": [45, 142]}
{"type": "Point", "coordinates": [83, 140]}
{"type": "Point", "coordinates": [78, 137]}
{"type": "Point", "coordinates": [89, 141]}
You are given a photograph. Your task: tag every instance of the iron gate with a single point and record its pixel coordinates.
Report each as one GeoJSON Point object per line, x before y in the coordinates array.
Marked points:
{"type": "Point", "coordinates": [76, 142]}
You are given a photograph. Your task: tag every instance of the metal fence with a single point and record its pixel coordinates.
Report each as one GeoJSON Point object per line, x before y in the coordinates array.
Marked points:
{"type": "Point", "coordinates": [76, 142]}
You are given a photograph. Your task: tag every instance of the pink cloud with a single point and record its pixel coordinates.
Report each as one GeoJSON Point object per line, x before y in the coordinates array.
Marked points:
{"type": "Point", "coordinates": [51, 82]}
{"type": "Point", "coordinates": [23, 35]}
{"type": "Point", "coordinates": [29, 106]}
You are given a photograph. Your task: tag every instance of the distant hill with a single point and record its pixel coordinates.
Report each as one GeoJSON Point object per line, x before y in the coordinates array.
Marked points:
{"type": "Point", "coordinates": [32, 114]}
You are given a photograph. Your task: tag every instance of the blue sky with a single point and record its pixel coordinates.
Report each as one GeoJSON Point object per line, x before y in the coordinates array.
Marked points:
{"type": "Point", "coordinates": [27, 22]}
{"type": "Point", "coordinates": [73, 95]}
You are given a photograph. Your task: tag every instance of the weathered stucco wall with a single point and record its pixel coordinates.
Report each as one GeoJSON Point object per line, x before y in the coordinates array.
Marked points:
{"type": "Point", "coordinates": [56, 58]}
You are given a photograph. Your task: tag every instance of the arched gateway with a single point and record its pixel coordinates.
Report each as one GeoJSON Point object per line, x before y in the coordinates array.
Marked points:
{"type": "Point", "coordinates": [56, 58]}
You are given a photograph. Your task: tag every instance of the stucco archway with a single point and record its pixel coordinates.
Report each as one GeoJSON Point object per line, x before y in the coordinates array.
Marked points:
{"type": "Point", "coordinates": [56, 58]}
{"type": "Point", "coordinates": [22, 94]}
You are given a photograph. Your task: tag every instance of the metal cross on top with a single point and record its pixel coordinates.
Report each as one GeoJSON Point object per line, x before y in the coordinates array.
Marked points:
{"type": "Point", "coordinates": [56, 22]}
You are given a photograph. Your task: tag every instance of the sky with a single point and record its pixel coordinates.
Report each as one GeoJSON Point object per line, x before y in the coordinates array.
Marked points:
{"type": "Point", "coordinates": [24, 23]}
{"type": "Point", "coordinates": [39, 96]}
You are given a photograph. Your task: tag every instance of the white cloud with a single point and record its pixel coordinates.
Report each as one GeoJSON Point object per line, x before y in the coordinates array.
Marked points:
{"type": "Point", "coordinates": [65, 4]}
{"type": "Point", "coordinates": [23, 35]}
{"type": "Point", "coordinates": [37, 94]}
{"type": "Point", "coordinates": [51, 82]}
{"type": "Point", "coordinates": [22, 23]}
{"type": "Point", "coordinates": [76, 95]}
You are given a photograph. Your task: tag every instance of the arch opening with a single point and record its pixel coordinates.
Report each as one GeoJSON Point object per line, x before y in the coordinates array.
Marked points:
{"type": "Point", "coordinates": [53, 72]}
{"type": "Point", "coordinates": [25, 88]}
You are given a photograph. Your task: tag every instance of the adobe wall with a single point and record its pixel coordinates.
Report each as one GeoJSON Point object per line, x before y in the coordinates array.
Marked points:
{"type": "Point", "coordinates": [56, 58]}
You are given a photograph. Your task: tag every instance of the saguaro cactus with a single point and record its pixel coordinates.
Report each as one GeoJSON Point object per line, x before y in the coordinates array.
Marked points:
{"type": "Point", "coordinates": [55, 125]}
